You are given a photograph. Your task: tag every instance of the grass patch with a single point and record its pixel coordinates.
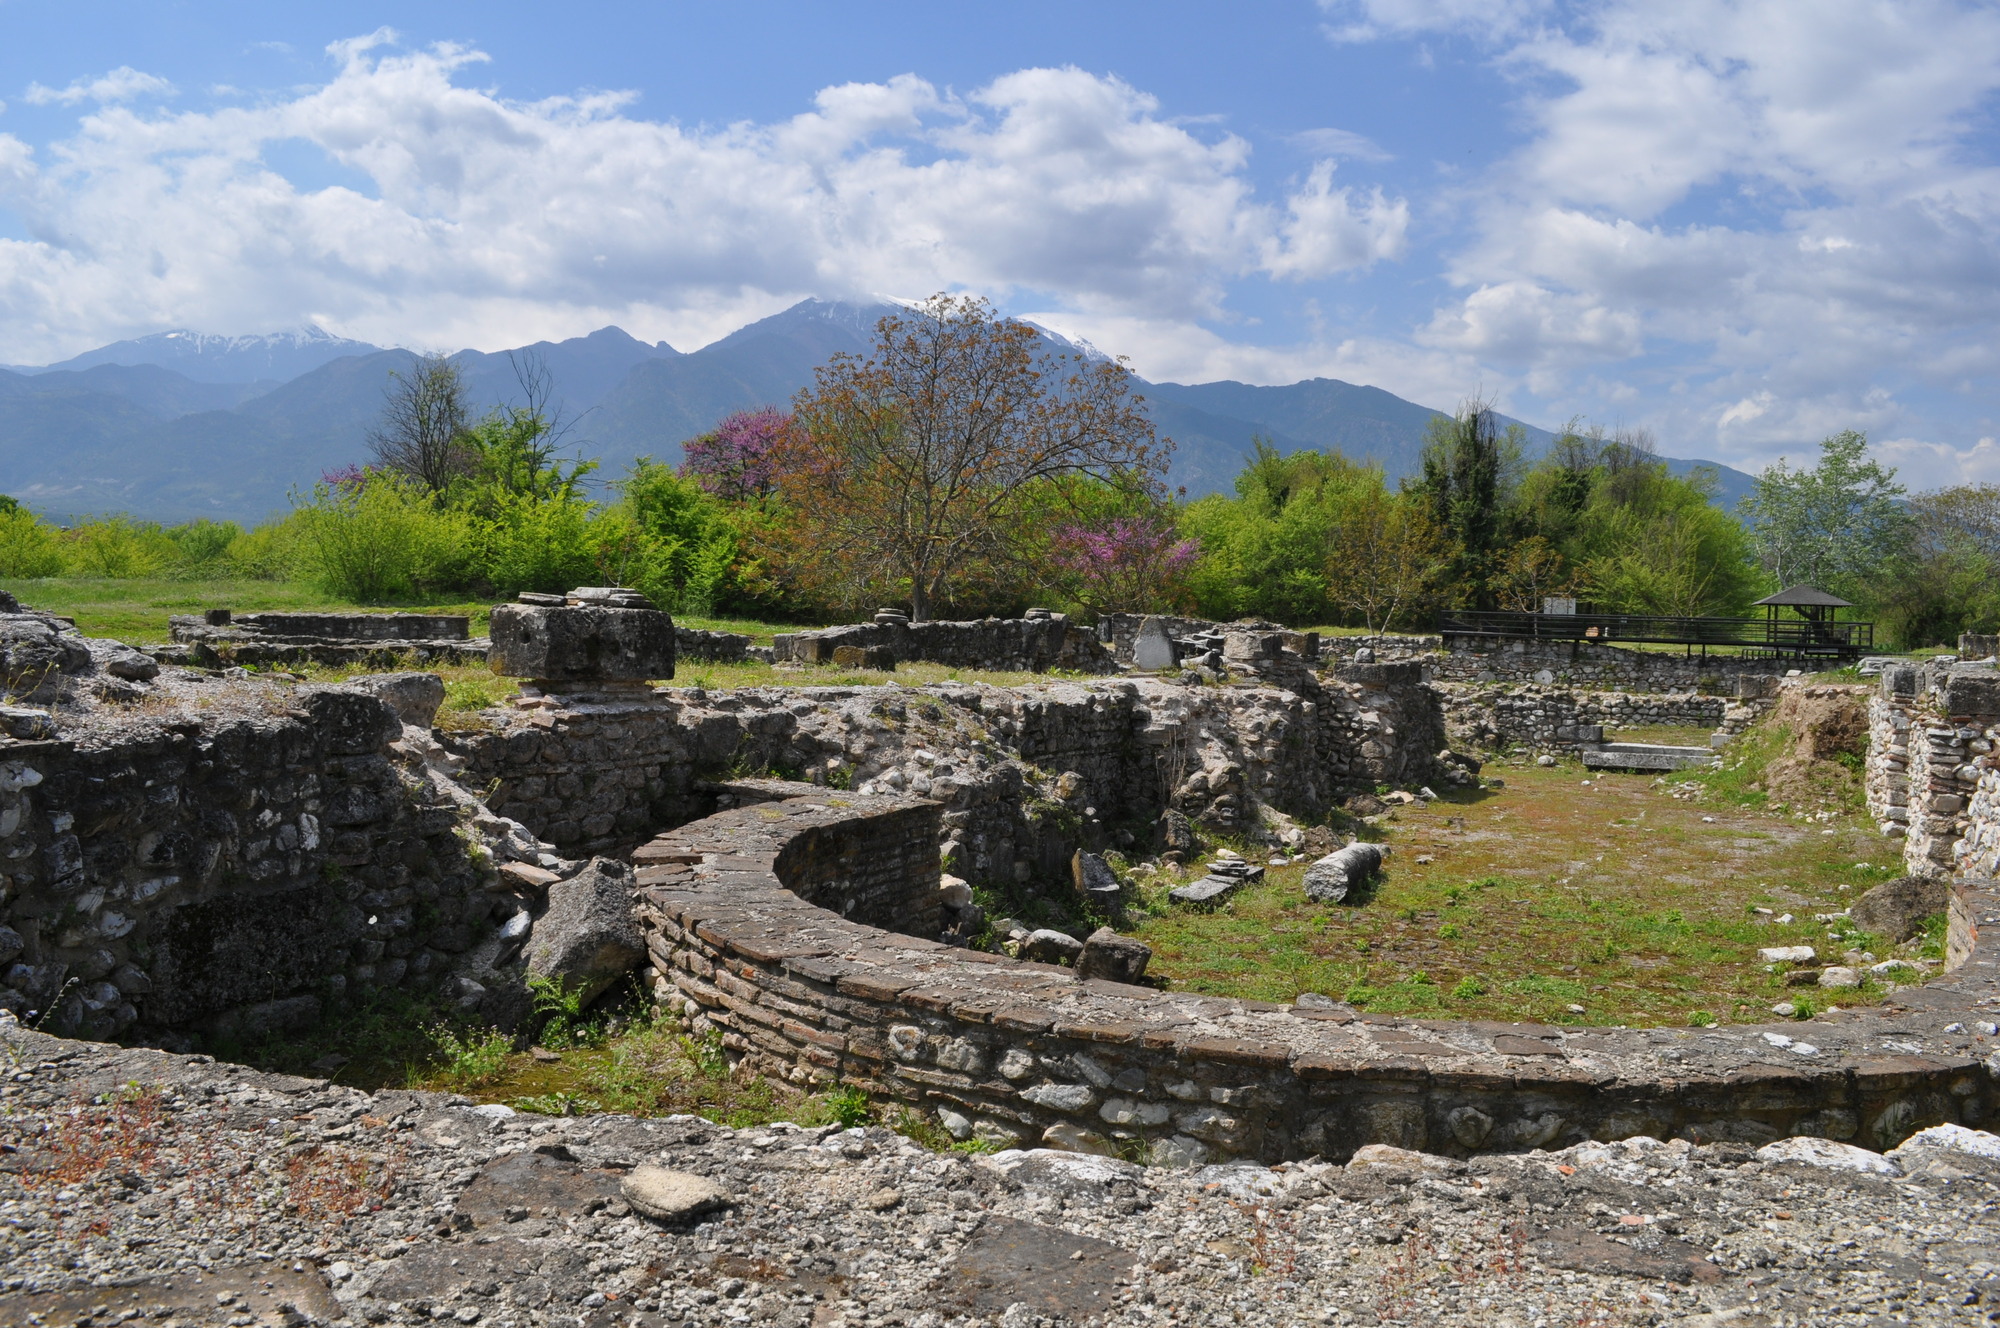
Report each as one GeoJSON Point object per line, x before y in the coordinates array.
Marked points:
{"type": "Point", "coordinates": [1605, 892]}
{"type": "Point", "coordinates": [136, 609]}
{"type": "Point", "coordinates": [620, 1056]}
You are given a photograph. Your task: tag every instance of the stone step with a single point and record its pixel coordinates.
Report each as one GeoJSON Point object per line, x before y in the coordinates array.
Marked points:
{"type": "Point", "coordinates": [1645, 756]}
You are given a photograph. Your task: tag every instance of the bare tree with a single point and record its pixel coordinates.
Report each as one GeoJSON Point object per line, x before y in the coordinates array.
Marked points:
{"type": "Point", "coordinates": [422, 430]}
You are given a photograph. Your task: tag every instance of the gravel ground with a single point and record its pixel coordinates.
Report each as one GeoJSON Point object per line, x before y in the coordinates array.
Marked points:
{"type": "Point", "coordinates": [136, 1185]}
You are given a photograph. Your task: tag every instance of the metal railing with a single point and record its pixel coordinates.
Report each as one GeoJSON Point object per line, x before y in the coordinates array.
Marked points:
{"type": "Point", "coordinates": [1781, 636]}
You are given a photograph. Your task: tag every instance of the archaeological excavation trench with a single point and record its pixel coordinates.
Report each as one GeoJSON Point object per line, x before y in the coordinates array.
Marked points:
{"type": "Point", "coordinates": [201, 856]}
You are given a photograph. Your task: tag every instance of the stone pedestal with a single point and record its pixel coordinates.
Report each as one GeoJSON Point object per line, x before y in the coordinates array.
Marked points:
{"type": "Point", "coordinates": [563, 648]}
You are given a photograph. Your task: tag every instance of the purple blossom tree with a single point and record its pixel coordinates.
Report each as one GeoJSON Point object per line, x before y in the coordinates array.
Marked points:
{"type": "Point", "coordinates": [345, 478]}
{"type": "Point", "coordinates": [735, 461]}
{"type": "Point", "coordinates": [1125, 565]}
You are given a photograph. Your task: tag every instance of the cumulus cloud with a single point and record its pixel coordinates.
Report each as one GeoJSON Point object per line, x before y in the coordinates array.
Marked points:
{"type": "Point", "coordinates": [121, 84]}
{"type": "Point", "coordinates": [473, 219]}
{"type": "Point", "coordinates": [1763, 221]}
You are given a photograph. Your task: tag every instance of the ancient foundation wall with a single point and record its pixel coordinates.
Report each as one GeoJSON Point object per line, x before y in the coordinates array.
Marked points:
{"type": "Point", "coordinates": [1582, 663]}
{"type": "Point", "coordinates": [1555, 719]}
{"type": "Point", "coordinates": [1015, 1052]}
{"type": "Point", "coordinates": [1026, 775]}
{"type": "Point", "coordinates": [1932, 775]}
{"type": "Point", "coordinates": [1032, 645]}
{"type": "Point", "coordinates": [226, 877]}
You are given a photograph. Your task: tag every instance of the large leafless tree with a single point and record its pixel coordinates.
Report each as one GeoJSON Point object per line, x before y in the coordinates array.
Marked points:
{"type": "Point", "coordinates": [422, 432]}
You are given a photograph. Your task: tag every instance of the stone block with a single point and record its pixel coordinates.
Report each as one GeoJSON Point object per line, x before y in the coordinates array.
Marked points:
{"type": "Point", "coordinates": [1153, 647]}
{"type": "Point", "coordinates": [581, 644]}
{"type": "Point", "coordinates": [1896, 909]}
{"type": "Point", "coordinates": [1112, 957]}
{"type": "Point", "coordinates": [415, 697]}
{"type": "Point", "coordinates": [865, 657]}
{"type": "Point", "coordinates": [1972, 693]}
{"type": "Point", "coordinates": [588, 939]}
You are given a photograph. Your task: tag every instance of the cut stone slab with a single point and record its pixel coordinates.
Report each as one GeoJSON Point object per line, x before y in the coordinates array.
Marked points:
{"type": "Point", "coordinates": [671, 1195]}
{"type": "Point", "coordinates": [1093, 876]}
{"type": "Point", "coordinates": [1008, 1262]}
{"type": "Point", "coordinates": [1645, 756]}
{"type": "Point", "coordinates": [1152, 647]}
{"type": "Point", "coordinates": [1787, 954]}
{"type": "Point", "coordinates": [1207, 892]}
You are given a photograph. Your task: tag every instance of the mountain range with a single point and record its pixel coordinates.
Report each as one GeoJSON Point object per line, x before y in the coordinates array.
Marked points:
{"type": "Point", "coordinates": [181, 425]}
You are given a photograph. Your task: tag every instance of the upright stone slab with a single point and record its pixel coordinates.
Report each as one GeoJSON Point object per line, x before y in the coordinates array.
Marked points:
{"type": "Point", "coordinates": [1152, 648]}
{"type": "Point", "coordinates": [576, 643]}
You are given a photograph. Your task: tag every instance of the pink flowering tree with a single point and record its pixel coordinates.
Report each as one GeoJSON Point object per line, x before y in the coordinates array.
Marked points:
{"type": "Point", "coordinates": [1125, 564]}
{"type": "Point", "coordinates": [735, 460]}
{"type": "Point", "coordinates": [346, 479]}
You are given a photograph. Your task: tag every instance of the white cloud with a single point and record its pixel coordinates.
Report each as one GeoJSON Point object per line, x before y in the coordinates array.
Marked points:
{"type": "Point", "coordinates": [486, 221]}
{"type": "Point", "coordinates": [1779, 216]}
{"type": "Point", "coordinates": [1926, 465]}
{"type": "Point", "coordinates": [1328, 230]}
{"type": "Point", "coordinates": [121, 84]}
{"type": "Point", "coordinates": [1367, 20]}
{"type": "Point", "coordinates": [1340, 143]}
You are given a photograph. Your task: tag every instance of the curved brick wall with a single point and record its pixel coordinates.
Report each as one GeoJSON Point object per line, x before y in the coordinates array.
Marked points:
{"type": "Point", "coordinates": [1015, 1051]}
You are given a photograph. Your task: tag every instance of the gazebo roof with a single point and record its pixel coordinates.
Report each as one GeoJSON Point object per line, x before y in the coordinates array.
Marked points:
{"type": "Point", "coordinates": [1805, 597]}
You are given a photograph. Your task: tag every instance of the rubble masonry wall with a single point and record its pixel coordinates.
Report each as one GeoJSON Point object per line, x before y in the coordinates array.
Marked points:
{"type": "Point", "coordinates": [226, 878]}
{"type": "Point", "coordinates": [1932, 776]}
{"type": "Point", "coordinates": [1022, 1053]}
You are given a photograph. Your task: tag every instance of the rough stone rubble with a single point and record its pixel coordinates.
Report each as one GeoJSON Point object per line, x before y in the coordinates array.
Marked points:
{"type": "Point", "coordinates": [144, 1187]}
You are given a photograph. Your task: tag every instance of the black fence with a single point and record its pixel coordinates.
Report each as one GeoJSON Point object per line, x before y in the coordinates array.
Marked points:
{"type": "Point", "coordinates": [1776, 636]}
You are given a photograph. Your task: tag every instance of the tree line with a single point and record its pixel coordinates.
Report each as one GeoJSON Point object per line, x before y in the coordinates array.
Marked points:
{"type": "Point", "coordinates": [968, 466]}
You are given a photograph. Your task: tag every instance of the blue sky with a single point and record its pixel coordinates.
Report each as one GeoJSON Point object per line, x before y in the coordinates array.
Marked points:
{"type": "Point", "coordinates": [1740, 225]}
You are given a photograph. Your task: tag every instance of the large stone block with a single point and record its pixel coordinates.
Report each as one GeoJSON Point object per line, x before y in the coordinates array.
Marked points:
{"type": "Point", "coordinates": [575, 643]}
{"type": "Point", "coordinates": [1972, 694]}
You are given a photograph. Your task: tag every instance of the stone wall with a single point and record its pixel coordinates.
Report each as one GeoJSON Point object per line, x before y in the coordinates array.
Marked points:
{"type": "Point", "coordinates": [1583, 663]}
{"type": "Point", "coordinates": [218, 638]}
{"type": "Point", "coordinates": [1020, 1053]}
{"type": "Point", "coordinates": [1029, 645]}
{"type": "Point", "coordinates": [1026, 775]}
{"type": "Point", "coordinates": [692, 643]}
{"type": "Point", "coordinates": [226, 876]}
{"type": "Point", "coordinates": [1932, 775]}
{"type": "Point", "coordinates": [1556, 719]}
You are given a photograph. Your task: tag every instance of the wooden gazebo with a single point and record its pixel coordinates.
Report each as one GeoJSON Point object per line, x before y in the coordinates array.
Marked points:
{"type": "Point", "coordinates": [1816, 606]}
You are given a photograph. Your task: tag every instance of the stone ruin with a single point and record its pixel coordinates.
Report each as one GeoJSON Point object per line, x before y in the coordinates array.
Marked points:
{"type": "Point", "coordinates": [219, 638]}
{"type": "Point", "coordinates": [196, 859]}
{"type": "Point", "coordinates": [1037, 643]}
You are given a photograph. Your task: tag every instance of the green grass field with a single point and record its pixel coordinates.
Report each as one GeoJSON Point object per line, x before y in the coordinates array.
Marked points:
{"type": "Point", "coordinates": [137, 610]}
{"type": "Point", "coordinates": [1565, 888]}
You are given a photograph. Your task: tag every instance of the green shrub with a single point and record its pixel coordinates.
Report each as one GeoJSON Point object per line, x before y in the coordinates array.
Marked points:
{"type": "Point", "coordinates": [470, 1059]}
{"type": "Point", "coordinates": [849, 1106]}
{"type": "Point", "coordinates": [28, 548]}
{"type": "Point", "coordinates": [381, 539]}
{"type": "Point", "coordinates": [118, 547]}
